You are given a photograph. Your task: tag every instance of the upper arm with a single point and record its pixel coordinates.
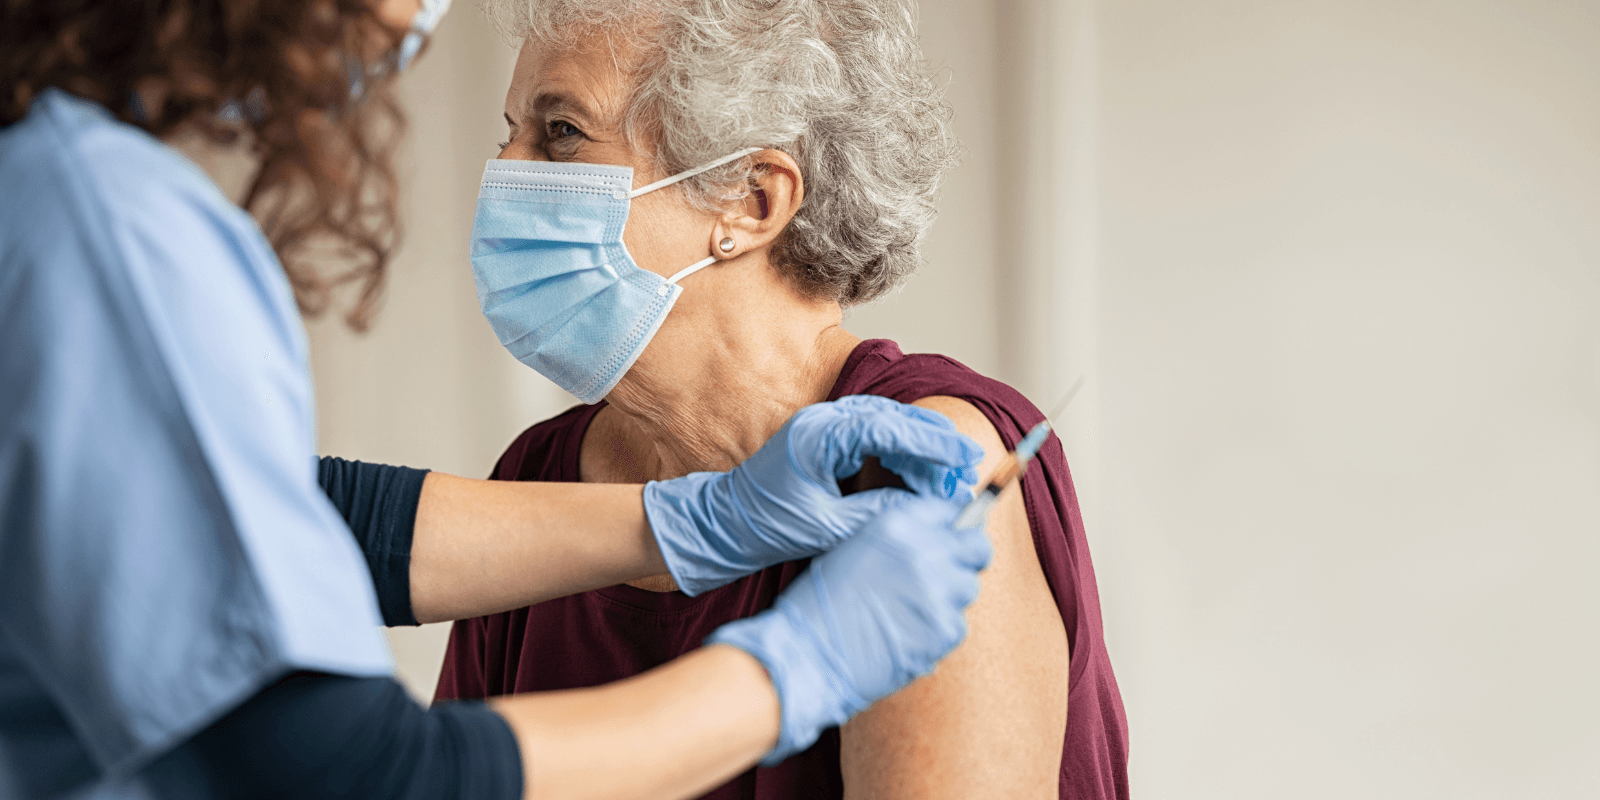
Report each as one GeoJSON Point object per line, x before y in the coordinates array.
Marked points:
{"type": "Point", "coordinates": [989, 720]}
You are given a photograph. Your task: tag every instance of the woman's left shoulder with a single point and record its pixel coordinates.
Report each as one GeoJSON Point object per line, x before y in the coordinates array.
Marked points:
{"type": "Point", "coordinates": [944, 384]}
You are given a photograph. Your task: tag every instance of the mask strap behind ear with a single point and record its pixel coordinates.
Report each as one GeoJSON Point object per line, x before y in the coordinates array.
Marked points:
{"type": "Point", "coordinates": [665, 182]}
{"type": "Point", "coordinates": [690, 270]}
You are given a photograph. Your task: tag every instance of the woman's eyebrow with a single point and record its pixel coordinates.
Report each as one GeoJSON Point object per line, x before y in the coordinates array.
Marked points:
{"type": "Point", "coordinates": [547, 103]}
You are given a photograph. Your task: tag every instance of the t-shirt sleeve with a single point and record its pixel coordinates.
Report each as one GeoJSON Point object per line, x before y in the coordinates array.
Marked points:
{"type": "Point", "coordinates": [379, 503]}
{"type": "Point", "coordinates": [165, 550]}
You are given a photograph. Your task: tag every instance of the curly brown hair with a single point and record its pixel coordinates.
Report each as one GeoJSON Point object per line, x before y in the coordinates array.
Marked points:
{"type": "Point", "coordinates": [276, 75]}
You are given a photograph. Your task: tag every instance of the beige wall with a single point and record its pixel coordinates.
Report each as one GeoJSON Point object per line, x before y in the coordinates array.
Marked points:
{"type": "Point", "coordinates": [1333, 270]}
{"type": "Point", "coordinates": [1350, 305]}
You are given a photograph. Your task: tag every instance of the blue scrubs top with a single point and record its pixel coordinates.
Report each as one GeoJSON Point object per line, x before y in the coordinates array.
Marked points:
{"type": "Point", "coordinates": [165, 551]}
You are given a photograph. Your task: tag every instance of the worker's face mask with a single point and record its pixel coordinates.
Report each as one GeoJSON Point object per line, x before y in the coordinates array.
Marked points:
{"type": "Point", "coordinates": [554, 278]}
{"type": "Point", "coordinates": [422, 26]}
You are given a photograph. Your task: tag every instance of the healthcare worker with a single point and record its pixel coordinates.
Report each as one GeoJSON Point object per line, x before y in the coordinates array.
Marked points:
{"type": "Point", "coordinates": [183, 613]}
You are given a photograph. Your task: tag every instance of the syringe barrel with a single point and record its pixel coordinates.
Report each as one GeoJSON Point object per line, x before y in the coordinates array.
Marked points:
{"type": "Point", "coordinates": [977, 511]}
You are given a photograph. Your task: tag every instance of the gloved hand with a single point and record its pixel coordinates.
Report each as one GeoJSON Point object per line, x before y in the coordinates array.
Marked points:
{"type": "Point", "coordinates": [784, 503]}
{"type": "Point", "coordinates": [864, 619]}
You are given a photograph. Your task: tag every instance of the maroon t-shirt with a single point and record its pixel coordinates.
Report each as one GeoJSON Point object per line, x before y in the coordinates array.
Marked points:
{"type": "Point", "coordinates": [609, 634]}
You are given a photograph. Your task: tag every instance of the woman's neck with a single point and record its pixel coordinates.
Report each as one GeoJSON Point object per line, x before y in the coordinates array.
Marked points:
{"type": "Point", "coordinates": [721, 395]}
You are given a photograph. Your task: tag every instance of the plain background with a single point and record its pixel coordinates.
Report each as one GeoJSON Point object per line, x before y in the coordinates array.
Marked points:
{"type": "Point", "coordinates": [1332, 270]}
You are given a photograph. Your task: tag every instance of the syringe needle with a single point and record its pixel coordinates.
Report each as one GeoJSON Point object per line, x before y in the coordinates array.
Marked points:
{"type": "Point", "coordinates": [1015, 463]}
{"type": "Point", "coordinates": [1066, 399]}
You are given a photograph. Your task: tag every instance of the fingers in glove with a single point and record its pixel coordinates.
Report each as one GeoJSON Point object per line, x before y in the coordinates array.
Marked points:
{"type": "Point", "coordinates": [932, 480]}
{"type": "Point", "coordinates": [864, 403]}
{"type": "Point", "coordinates": [897, 438]}
{"type": "Point", "coordinates": [866, 505]}
{"type": "Point", "coordinates": [927, 415]}
{"type": "Point", "coordinates": [952, 631]}
{"type": "Point", "coordinates": [973, 548]}
{"type": "Point", "coordinates": [964, 588]}
{"type": "Point", "coordinates": [968, 547]}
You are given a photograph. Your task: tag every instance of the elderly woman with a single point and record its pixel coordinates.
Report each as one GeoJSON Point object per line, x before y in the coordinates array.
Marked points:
{"type": "Point", "coordinates": [838, 141]}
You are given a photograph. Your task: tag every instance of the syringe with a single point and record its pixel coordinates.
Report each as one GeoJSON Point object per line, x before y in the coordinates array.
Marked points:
{"type": "Point", "coordinates": [1011, 468]}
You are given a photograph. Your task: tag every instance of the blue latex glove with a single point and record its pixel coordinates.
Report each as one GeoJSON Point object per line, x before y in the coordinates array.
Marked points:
{"type": "Point", "coordinates": [864, 619]}
{"type": "Point", "coordinates": [784, 503]}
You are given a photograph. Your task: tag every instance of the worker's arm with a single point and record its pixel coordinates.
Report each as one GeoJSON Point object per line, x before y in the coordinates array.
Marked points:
{"type": "Point", "coordinates": [442, 547]}
{"type": "Point", "coordinates": [481, 547]}
{"type": "Point", "coordinates": [857, 624]}
{"type": "Point", "coordinates": [671, 732]}
{"type": "Point", "coordinates": [990, 721]}
{"type": "Point", "coordinates": [316, 736]}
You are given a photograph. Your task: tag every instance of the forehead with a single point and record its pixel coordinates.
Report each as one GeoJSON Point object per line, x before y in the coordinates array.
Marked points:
{"type": "Point", "coordinates": [590, 73]}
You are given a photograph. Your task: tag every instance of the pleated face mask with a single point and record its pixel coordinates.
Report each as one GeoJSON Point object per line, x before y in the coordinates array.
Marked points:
{"type": "Point", "coordinates": [554, 279]}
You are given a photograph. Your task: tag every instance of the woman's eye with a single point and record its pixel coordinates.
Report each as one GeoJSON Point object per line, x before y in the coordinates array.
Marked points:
{"type": "Point", "coordinates": [561, 129]}
{"type": "Point", "coordinates": [502, 145]}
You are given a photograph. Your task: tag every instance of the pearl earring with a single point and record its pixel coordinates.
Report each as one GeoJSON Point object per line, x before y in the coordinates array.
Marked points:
{"type": "Point", "coordinates": [726, 245]}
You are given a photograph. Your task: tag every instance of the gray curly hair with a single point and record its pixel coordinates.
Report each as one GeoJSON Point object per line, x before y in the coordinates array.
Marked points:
{"type": "Point", "coordinates": [839, 85]}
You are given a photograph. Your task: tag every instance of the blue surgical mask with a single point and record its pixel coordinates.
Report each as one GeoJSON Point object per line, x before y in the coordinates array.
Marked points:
{"type": "Point", "coordinates": [554, 278]}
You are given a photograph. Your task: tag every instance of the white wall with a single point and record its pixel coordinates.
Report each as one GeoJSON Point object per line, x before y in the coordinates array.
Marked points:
{"type": "Point", "coordinates": [1349, 306]}
{"type": "Point", "coordinates": [1333, 270]}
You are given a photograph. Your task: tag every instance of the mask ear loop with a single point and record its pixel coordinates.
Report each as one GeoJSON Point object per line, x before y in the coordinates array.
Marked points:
{"type": "Point", "coordinates": [665, 182]}
{"type": "Point", "coordinates": [686, 272]}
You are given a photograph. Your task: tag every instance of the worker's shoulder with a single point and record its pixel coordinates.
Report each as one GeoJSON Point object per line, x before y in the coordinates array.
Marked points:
{"type": "Point", "coordinates": [106, 231]}
{"type": "Point", "coordinates": [71, 167]}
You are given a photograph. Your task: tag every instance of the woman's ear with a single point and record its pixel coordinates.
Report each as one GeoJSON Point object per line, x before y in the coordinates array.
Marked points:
{"type": "Point", "coordinates": [756, 221]}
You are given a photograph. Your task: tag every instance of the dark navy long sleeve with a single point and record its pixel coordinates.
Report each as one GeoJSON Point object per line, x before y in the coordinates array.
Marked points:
{"type": "Point", "coordinates": [379, 503]}
{"type": "Point", "coordinates": [314, 736]}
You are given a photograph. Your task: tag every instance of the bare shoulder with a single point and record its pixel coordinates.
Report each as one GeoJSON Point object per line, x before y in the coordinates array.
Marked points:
{"type": "Point", "coordinates": [970, 421]}
{"type": "Point", "coordinates": [1012, 541]}
{"type": "Point", "coordinates": [989, 721]}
